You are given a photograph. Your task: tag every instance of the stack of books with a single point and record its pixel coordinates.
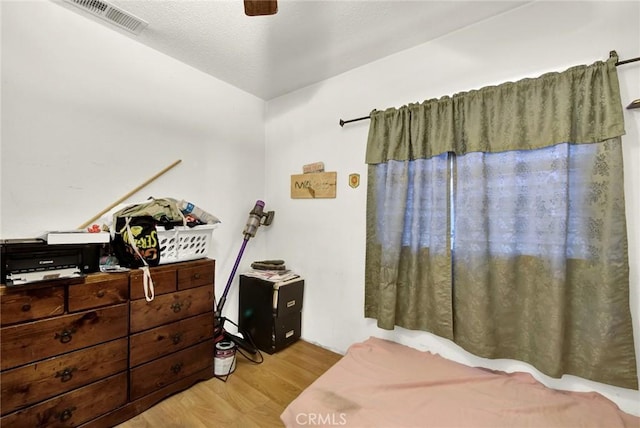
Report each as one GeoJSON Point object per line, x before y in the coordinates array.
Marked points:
{"type": "Point", "coordinates": [272, 275]}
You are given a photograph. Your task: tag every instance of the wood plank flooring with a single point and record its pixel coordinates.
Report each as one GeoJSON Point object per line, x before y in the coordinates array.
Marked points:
{"type": "Point", "coordinates": [253, 396]}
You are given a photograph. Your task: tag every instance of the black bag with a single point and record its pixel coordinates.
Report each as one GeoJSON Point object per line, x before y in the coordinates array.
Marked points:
{"type": "Point", "coordinates": [136, 242]}
{"type": "Point", "coordinates": [142, 220]}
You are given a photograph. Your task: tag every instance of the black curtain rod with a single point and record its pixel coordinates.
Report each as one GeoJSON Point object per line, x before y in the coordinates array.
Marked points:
{"type": "Point", "coordinates": [627, 61]}
{"type": "Point", "coordinates": [343, 122]}
{"type": "Point", "coordinates": [612, 53]}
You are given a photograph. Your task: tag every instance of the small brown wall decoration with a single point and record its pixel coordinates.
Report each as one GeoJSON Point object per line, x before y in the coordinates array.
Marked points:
{"type": "Point", "coordinates": [354, 180]}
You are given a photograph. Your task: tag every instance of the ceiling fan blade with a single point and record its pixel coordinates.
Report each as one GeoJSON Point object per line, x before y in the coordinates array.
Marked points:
{"type": "Point", "coordinates": [260, 7]}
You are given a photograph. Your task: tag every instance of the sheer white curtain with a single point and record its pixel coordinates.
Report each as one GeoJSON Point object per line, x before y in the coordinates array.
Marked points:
{"type": "Point", "coordinates": [540, 261]}
{"type": "Point", "coordinates": [410, 245]}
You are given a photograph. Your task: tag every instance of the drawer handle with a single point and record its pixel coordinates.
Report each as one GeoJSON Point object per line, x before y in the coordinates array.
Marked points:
{"type": "Point", "coordinates": [100, 294]}
{"type": "Point", "coordinates": [176, 368]}
{"type": "Point", "coordinates": [196, 276]}
{"type": "Point", "coordinates": [66, 414]}
{"type": "Point", "coordinates": [176, 306]}
{"type": "Point", "coordinates": [176, 338]}
{"type": "Point", "coordinates": [26, 307]}
{"type": "Point", "coordinates": [66, 374]}
{"type": "Point", "coordinates": [66, 335]}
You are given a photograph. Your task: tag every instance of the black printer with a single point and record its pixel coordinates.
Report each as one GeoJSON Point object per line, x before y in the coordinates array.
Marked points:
{"type": "Point", "coordinates": [24, 261]}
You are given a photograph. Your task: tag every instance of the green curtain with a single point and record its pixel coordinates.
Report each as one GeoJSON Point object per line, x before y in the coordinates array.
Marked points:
{"type": "Point", "coordinates": [539, 268]}
{"type": "Point", "coordinates": [579, 105]}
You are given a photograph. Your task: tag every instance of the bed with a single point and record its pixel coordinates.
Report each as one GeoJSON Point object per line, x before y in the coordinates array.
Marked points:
{"type": "Point", "coordinates": [379, 383]}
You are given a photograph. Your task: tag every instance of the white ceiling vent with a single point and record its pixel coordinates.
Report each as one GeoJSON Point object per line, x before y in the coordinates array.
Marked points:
{"type": "Point", "coordinates": [112, 14]}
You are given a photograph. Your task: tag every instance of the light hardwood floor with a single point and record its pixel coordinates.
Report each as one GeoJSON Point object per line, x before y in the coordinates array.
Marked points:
{"type": "Point", "coordinates": [253, 396]}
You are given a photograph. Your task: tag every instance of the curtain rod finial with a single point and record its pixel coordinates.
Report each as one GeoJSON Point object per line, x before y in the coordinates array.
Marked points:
{"type": "Point", "coordinates": [613, 54]}
{"type": "Point", "coordinates": [341, 123]}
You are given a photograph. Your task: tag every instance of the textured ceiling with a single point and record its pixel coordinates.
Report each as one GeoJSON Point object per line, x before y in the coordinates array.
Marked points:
{"type": "Point", "coordinates": [304, 43]}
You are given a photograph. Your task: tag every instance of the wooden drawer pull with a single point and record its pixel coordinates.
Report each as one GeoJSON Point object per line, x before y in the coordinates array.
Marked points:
{"type": "Point", "coordinates": [26, 307]}
{"type": "Point", "coordinates": [196, 275]}
{"type": "Point", "coordinates": [66, 374]}
{"type": "Point", "coordinates": [66, 414]}
{"type": "Point", "coordinates": [176, 306]}
{"type": "Point", "coordinates": [66, 335]}
{"type": "Point", "coordinates": [101, 294]}
{"type": "Point", "coordinates": [176, 338]}
{"type": "Point", "coordinates": [176, 368]}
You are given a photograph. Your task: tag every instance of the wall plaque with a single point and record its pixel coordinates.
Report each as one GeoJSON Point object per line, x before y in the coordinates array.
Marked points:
{"type": "Point", "coordinates": [314, 185]}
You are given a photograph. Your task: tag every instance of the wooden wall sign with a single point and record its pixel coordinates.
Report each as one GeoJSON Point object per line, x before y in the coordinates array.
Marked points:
{"type": "Point", "coordinates": [313, 167]}
{"type": "Point", "coordinates": [314, 186]}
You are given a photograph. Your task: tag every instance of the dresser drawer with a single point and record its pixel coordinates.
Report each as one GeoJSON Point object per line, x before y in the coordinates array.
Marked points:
{"type": "Point", "coordinates": [73, 408]}
{"type": "Point", "coordinates": [99, 290]}
{"type": "Point", "coordinates": [26, 343]}
{"type": "Point", "coordinates": [159, 373]}
{"type": "Point", "coordinates": [196, 274]}
{"type": "Point", "coordinates": [164, 281]}
{"type": "Point", "coordinates": [38, 381]}
{"type": "Point", "coordinates": [170, 307]}
{"type": "Point", "coordinates": [31, 304]}
{"type": "Point", "coordinates": [163, 340]}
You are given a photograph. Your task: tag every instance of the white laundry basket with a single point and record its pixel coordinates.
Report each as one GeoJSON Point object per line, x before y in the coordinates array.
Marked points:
{"type": "Point", "coordinates": [184, 243]}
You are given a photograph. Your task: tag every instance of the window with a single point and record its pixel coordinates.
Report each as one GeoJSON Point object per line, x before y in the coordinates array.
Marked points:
{"type": "Point", "coordinates": [514, 246]}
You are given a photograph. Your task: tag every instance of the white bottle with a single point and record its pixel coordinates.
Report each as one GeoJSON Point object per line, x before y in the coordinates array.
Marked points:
{"type": "Point", "coordinates": [189, 208]}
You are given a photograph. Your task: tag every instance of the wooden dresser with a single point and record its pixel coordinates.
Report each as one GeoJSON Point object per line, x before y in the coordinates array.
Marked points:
{"type": "Point", "coordinates": [93, 352]}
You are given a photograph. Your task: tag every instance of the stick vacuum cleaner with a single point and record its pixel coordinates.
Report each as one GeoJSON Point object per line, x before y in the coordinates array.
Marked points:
{"type": "Point", "coordinates": [257, 217]}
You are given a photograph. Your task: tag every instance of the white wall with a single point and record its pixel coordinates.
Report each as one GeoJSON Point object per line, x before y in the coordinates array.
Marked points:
{"type": "Point", "coordinates": [89, 114]}
{"type": "Point", "coordinates": [324, 240]}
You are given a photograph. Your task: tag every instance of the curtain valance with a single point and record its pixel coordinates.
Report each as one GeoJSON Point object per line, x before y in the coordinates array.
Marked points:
{"type": "Point", "coordinates": [580, 105]}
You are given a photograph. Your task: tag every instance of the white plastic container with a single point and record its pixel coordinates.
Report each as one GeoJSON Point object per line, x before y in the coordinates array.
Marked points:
{"type": "Point", "coordinates": [183, 243]}
{"type": "Point", "coordinates": [224, 361]}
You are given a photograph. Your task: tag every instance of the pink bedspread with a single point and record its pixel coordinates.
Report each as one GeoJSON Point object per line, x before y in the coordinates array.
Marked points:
{"type": "Point", "coordinates": [383, 384]}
